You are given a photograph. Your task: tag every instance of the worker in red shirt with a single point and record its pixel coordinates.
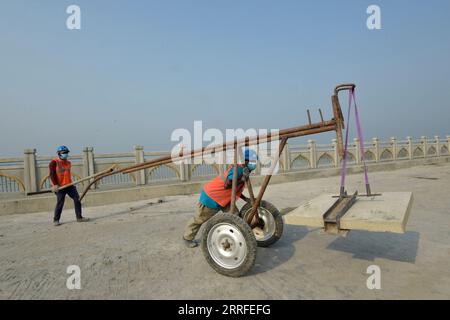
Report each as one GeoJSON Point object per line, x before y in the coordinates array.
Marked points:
{"type": "Point", "coordinates": [60, 176]}
{"type": "Point", "coordinates": [216, 196]}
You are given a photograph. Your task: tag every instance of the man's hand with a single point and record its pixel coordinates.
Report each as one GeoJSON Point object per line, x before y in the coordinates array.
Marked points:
{"type": "Point", "coordinates": [55, 189]}
{"type": "Point", "coordinates": [246, 173]}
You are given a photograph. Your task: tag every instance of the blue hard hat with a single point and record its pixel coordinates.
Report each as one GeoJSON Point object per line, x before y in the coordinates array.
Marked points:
{"type": "Point", "coordinates": [62, 149]}
{"type": "Point", "coordinates": [250, 155]}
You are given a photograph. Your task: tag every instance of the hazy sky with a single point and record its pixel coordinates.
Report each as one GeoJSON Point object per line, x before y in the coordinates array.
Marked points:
{"type": "Point", "coordinates": [137, 70]}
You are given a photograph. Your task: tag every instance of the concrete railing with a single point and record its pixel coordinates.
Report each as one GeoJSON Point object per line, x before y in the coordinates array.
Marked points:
{"type": "Point", "coordinates": [30, 172]}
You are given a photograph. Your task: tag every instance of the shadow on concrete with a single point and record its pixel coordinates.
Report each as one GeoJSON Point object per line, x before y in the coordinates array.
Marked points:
{"type": "Point", "coordinates": [370, 245]}
{"type": "Point", "coordinates": [280, 252]}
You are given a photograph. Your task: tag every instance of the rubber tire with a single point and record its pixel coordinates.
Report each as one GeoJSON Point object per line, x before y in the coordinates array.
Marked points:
{"type": "Point", "coordinates": [249, 237]}
{"type": "Point", "coordinates": [279, 223]}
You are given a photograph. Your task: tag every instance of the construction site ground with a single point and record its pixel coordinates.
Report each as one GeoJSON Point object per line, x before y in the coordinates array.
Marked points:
{"type": "Point", "coordinates": [134, 250]}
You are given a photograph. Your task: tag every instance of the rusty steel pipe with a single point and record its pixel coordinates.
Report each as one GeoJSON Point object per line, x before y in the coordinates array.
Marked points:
{"type": "Point", "coordinates": [250, 191]}
{"type": "Point", "coordinates": [335, 124]}
{"type": "Point", "coordinates": [227, 145]}
{"type": "Point", "coordinates": [219, 148]}
{"type": "Point", "coordinates": [314, 129]}
{"type": "Point", "coordinates": [344, 86]}
{"type": "Point", "coordinates": [249, 186]}
{"type": "Point", "coordinates": [199, 153]}
{"type": "Point", "coordinates": [308, 130]}
{"type": "Point", "coordinates": [234, 181]}
{"type": "Point", "coordinates": [301, 131]}
{"type": "Point", "coordinates": [99, 177]}
{"type": "Point", "coordinates": [337, 112]}
{"type": "Point", "coordinates": [265, 183]}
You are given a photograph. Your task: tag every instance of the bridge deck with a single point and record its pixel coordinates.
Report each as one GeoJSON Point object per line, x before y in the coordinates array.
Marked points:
{"type": "Point", "coordinates": [133, 250]}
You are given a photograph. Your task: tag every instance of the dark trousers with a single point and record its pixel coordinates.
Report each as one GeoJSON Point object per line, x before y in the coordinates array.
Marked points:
{"type": "Point", "coordinates": [60, 198]}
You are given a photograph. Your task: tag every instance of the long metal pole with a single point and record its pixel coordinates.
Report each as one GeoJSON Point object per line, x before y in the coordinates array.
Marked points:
{"type": "Point", "coordinates": [266, 182]}
{"type": "Point", "coordinates": [97, 178]}
{"type": "Point", "coordinates": [308, 130]}
{"type": "Point", "coordinates": [234, 182]}
{"type": "Point", "coordinates": [335, 124]}
{"type": "Point", "coordinates": [73, 183]}
{"type": "Point", "coordinates": [248, 183]}
{"type": "Point", "coordinates": [292, 132]}
{"type": "Point", "coordinates": [252, 141]}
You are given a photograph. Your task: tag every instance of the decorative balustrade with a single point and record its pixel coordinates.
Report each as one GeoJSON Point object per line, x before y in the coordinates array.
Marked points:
{"type": "Point", "coordinates": [30, 172]}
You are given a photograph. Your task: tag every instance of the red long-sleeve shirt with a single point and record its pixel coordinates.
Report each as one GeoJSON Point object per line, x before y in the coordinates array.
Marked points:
{"type": "Point", "coordinates": [52, 167]}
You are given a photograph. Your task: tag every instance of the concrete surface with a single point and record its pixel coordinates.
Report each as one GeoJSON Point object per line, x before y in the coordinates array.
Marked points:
{"type": "Point", "coordinates": [133, 250]}
{"type": "Point", "coordinates": [387, 212]}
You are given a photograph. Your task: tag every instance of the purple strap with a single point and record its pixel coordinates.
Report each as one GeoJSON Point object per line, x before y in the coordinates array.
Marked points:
{"type": "Point", "coordinates": [361, 140]}
{"type": "Point", "coordinates": [351, 99]}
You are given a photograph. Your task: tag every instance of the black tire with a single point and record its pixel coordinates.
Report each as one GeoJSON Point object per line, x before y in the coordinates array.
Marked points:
{"type": "Point", "coordinates": [267, 240]}
{"type": "Point", "coordinates": [219, 228]}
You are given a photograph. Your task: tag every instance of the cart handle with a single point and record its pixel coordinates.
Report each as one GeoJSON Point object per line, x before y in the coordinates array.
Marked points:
{"type": "Point", "coordinates": [71, 184]}
{"type": "Point", "coordinates": [344, 86]}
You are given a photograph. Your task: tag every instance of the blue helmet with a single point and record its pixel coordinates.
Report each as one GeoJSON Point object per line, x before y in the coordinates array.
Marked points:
{"type": "Point", "coordinates": [62, 149]}
{"type": "Point", "coordinates": [250, 155]}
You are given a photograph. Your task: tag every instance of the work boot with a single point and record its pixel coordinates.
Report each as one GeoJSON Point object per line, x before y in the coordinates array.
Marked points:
{"type": "Point", "coordinates": [190, 243]}
{"type": "Point", "coordinates": [82, 219]}
{"type": "Point", "coordinates": [56, 223]}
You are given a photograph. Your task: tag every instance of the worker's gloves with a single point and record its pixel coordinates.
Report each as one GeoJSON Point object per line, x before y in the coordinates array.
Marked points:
{"type": "Point", "coordinates": [55, 189]}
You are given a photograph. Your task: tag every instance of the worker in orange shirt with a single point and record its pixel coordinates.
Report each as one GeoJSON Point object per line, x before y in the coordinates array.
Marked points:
{"type": "Point", "coordinates": [60, 176]}
{"type": "Point", "coordinates": [216, 196]}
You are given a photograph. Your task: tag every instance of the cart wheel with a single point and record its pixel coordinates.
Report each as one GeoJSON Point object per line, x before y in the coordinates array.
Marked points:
{"type": "Point", "coordinates": [229, 245]}
{"type": "Point", "coordinates": [270, 228]}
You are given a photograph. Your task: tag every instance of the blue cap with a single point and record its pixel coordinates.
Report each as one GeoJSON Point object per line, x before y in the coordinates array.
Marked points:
{"type": "Point", "coordinates": [250, 155]}
{"type": "Point", "coordinates": [62, 149]}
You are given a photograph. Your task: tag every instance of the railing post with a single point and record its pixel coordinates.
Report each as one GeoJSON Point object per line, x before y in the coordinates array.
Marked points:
{"type": "Point", "coordinates": [29, 166]}
{"type": "Point", "coordinates": [140, 175]}
{"type": "Point", "coordinates": [410, 147]}
{"type": "Point", "coordinates": [437, 146]}
{"type": "Point", "coordinates": [91, 160]}
{"type": "Point", "coordinates": [184, 171]}
{"type": "Point", "coordinates": [185, 165]}
{"type": "Point", "coordinates": [91, 164]}
{"type": "Point", "coordinates": [335, 152]}
{"type": "Point", "coordinates": [394, 148]}
{"type": "Point", "coordinates": [286, 158]}
{"type": "Point", "coordinates": [312, 154]}
{"type": "Point", "coordinates": [448, 144]}
{"type": "Point", "coordinates": [424, 146]}
{"type": "Point", "coordinates": [86, 171]}
{"type": "Point", "coordinates": [357, 150]}
{"type": "Point", "coordinates": [376, 147]}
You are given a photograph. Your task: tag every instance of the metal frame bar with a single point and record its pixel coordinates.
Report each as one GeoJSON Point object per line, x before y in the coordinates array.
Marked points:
{"type": "Point", "coordinates": [336, 124]}
{"type": "Point", "coordinates": [264, 185]}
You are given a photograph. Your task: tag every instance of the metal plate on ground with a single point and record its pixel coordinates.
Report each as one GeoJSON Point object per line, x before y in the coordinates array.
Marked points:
{"type": "Point", "coordinates": [386, 213]}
